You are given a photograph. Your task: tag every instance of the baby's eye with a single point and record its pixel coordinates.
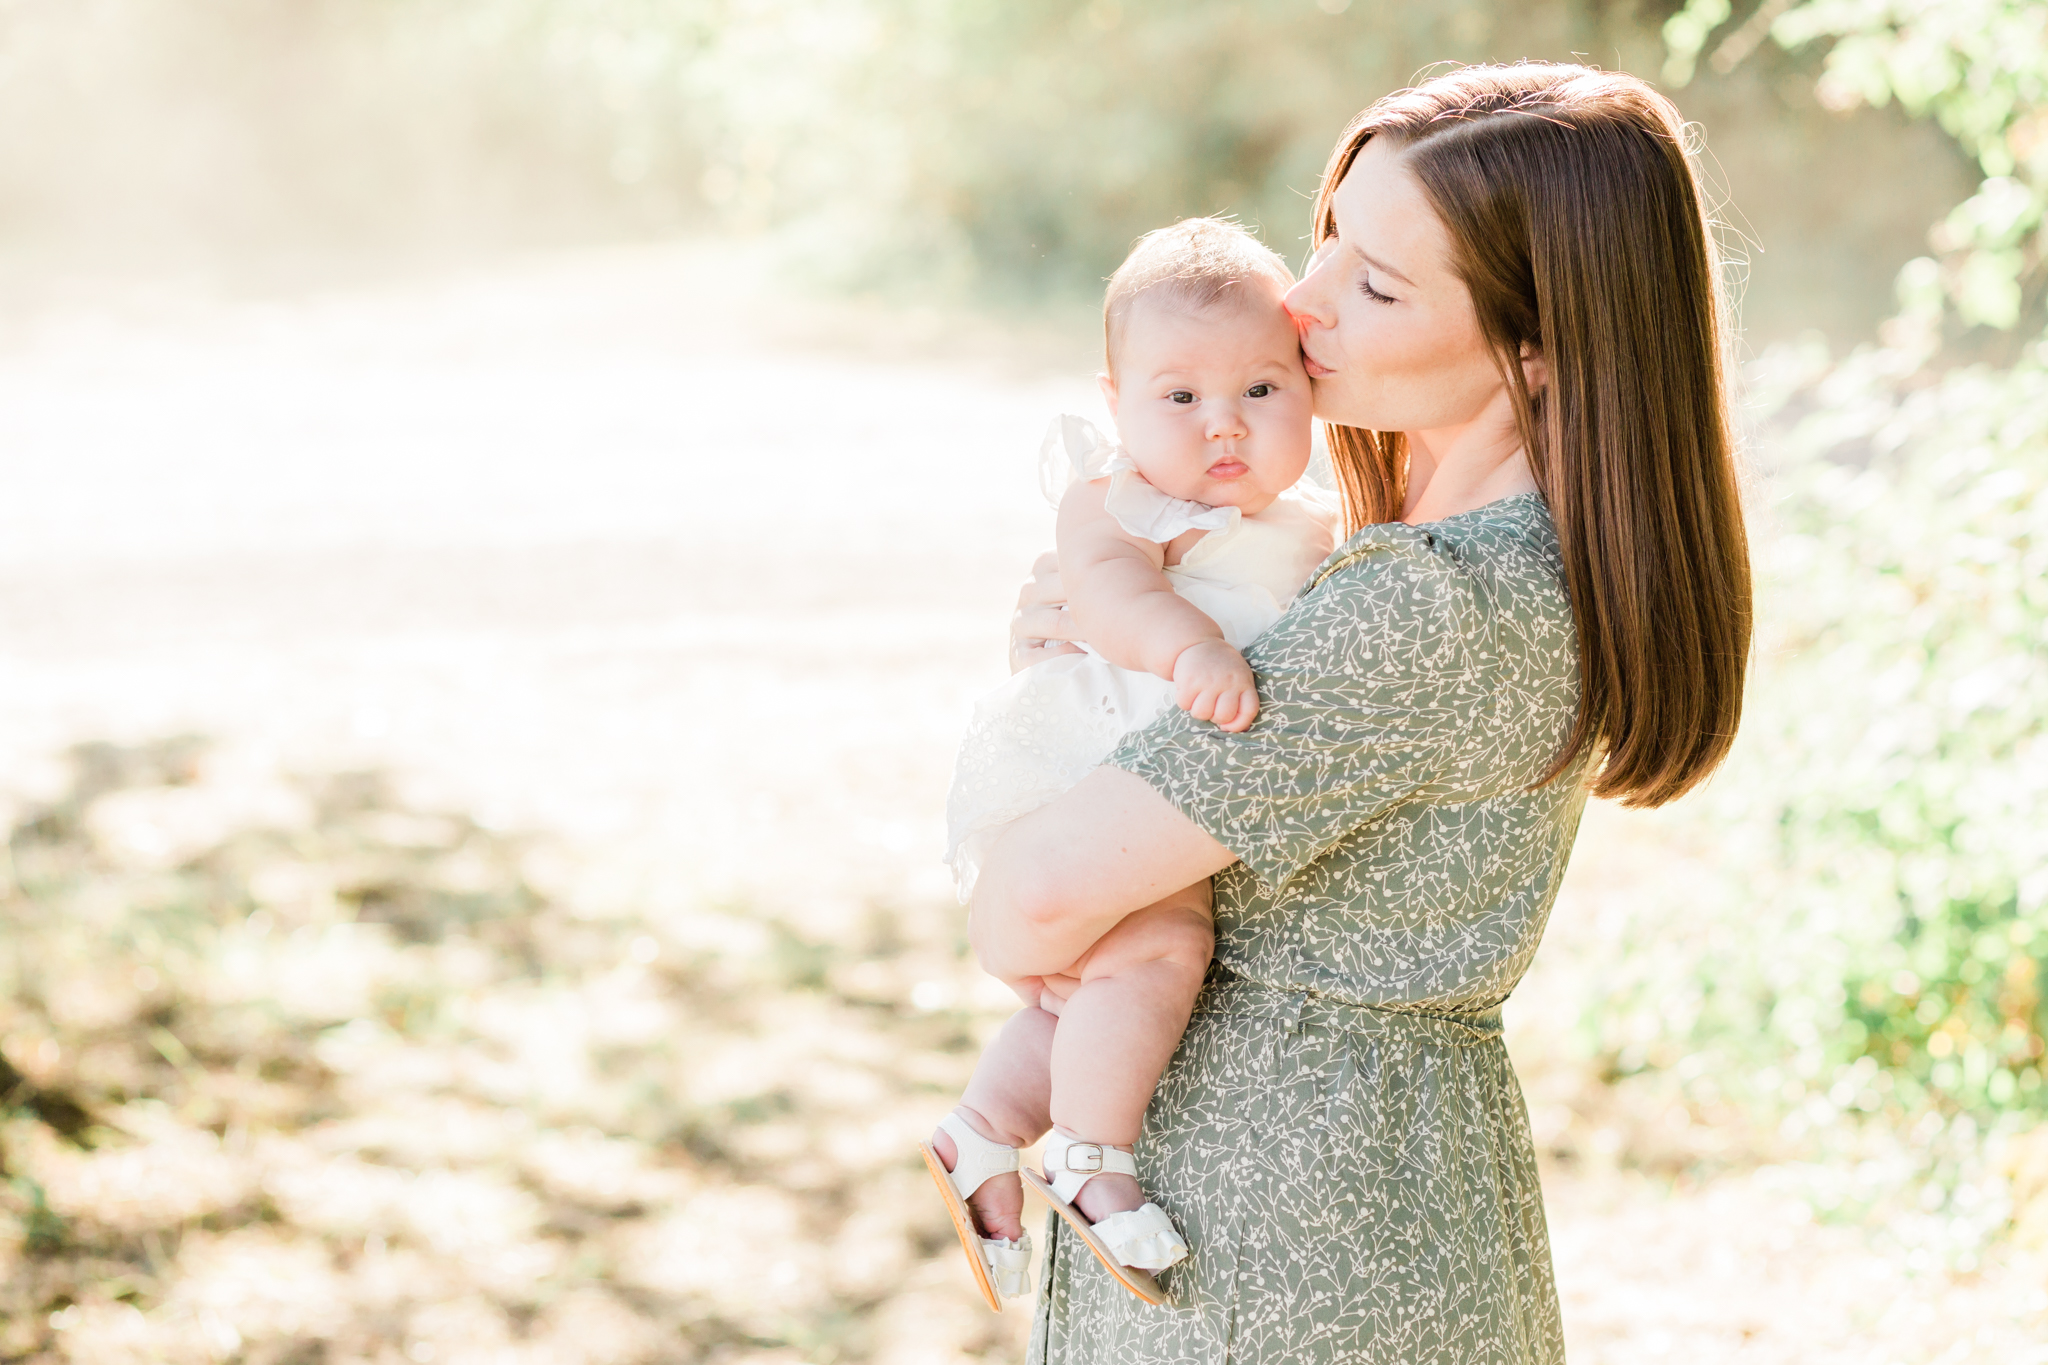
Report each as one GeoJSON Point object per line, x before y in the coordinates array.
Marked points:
{"type": "Point", "coordinates": [1258, 391]}
{"type": "Point", "coordinates": [1180, 396]}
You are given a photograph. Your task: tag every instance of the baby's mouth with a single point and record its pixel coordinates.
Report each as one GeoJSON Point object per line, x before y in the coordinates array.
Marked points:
{"type": "Point", "coordinates": [1228, 469]}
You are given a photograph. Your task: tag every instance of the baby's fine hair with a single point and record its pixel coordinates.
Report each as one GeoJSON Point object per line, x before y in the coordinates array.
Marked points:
{"type": "Point", "coordinates": [1195, 264]}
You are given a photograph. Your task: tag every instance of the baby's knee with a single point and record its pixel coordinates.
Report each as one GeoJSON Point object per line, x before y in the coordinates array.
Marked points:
{"type": "Point", "coordinates": [1194, 935]}
{"type": "Point", "coordinates": [1181, 936]}
{"type": "Point", "coordinates": [1197, 900]}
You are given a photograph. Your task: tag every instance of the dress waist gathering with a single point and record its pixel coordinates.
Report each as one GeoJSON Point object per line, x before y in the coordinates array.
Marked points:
{"type": "Point", "coordinates": [1295, 1009]}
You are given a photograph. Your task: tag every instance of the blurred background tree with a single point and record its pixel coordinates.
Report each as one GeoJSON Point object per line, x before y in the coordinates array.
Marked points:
{"type": "Point", "coordinates": [959, 147]}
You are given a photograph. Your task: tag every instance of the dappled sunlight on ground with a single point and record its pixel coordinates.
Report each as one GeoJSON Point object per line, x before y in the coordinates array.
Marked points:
{"type": "Point", "coordinates": [329, 1088]}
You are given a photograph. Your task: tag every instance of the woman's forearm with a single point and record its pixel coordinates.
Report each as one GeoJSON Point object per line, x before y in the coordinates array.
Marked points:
{"type": "Point", "coordinates": [1064, 875]}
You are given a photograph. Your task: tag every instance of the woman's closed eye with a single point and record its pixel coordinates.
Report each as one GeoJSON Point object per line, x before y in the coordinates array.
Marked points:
{"type": "Point", "coordinates": [1365, 287]}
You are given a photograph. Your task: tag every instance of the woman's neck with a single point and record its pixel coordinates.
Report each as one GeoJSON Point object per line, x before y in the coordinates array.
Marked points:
{"type": "Point", "coordinates": [1455, 469]}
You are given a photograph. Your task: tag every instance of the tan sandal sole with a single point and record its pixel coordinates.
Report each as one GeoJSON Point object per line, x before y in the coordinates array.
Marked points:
{"type": "Point", "coordinates": [963, 1224]}
{"type": "Point", "coordinates": [1139, 1282]}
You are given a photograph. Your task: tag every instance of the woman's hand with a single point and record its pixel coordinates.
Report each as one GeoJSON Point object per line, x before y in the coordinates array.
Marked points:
{"type": "Point", "coordinates": [1042, 626]}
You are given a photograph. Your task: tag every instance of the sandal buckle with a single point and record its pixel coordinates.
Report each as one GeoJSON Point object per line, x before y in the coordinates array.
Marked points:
{"type": "Point", "coordinates": [1090, 1150]}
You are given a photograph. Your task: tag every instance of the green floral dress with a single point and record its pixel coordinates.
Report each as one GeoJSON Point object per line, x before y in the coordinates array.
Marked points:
{"type": "Point", "coordinates": [1341, 1135]}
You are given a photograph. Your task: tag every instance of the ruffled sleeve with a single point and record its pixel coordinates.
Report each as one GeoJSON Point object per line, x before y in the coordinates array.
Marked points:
{"type": "Point", "coordinates": [1075, 451]}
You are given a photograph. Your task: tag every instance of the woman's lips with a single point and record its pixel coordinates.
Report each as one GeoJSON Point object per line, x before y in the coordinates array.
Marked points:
{"type": "Point", "coordinates": [1315, 371]}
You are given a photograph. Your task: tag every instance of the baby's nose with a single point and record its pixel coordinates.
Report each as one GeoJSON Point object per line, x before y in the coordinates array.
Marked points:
{"type": "Point", "coordinates": [1226, 421]}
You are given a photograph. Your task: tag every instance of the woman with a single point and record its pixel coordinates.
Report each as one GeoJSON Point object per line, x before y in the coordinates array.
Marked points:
{"type": "Point", "coordinates": [1512, 325]}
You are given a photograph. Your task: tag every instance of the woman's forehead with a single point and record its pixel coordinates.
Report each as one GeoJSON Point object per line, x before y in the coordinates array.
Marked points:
{"type": "Point", "coordinates": [1382, 214]}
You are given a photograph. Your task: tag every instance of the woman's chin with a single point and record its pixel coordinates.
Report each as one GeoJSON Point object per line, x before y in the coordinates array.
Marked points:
{"type": "Point", "coordinates": [1333, 403]}
{"type": "Point", "coordinates": [1325, 396]}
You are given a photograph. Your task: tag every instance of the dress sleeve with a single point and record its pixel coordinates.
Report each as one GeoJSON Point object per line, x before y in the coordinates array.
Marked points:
{"type": "Point", "coordinates": [1366, 696]}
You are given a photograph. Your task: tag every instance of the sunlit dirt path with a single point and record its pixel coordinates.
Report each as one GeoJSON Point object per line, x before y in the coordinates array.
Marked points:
{"type": "Point", "coordinates": [640, 552]}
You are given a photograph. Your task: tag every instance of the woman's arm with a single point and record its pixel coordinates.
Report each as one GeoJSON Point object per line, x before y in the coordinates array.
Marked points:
{"type": "Point", "coordinates": [1062, 876]}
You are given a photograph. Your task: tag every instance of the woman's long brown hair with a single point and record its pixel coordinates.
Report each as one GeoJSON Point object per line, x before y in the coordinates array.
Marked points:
{"type": "Point", "coordinates": [1576, 219]}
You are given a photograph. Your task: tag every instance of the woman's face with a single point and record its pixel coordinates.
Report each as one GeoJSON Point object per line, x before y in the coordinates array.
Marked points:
{"type": "Point", "coordinates": [1387, 330]}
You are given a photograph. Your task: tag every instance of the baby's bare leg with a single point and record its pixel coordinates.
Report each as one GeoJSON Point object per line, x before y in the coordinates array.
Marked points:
{"type": "Point", "coordinates": [1120, 1027]}
{"type": "Point", "coordinates": [1008, 1100]}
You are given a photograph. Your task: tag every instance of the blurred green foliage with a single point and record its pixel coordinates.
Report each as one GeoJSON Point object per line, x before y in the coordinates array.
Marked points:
{"type": "Point", "coordinates": [948, 147]}
{"type": "Point", "coordinates": [1030, 144]}
{"type": "Point", "coordinates": [967, 145]}
{"type": "Point", "coordinates": [1878, 937]}
{"type": "Point", "coordinates": [1977, 67]}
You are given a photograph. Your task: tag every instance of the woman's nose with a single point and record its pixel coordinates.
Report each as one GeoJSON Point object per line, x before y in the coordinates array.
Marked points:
{"type": "Point", "coordinates": [1308, 301]}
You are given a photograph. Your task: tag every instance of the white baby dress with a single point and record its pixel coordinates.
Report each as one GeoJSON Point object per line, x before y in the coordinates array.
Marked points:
{"type": "Point", "coordinates": [1048, 726]}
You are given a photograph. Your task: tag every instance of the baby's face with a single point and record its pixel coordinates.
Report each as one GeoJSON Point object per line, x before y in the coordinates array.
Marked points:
{"type": "Point", "coordinates": [1213, 404]}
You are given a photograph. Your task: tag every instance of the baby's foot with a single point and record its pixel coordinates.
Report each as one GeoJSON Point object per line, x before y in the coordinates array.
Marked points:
{"type": "Point", "coordinates": [1101, 1197]}
{"type": "Point", "coordinates": [998, 1206]}
{"type": "Point", "coordinates": [1109, 1193]}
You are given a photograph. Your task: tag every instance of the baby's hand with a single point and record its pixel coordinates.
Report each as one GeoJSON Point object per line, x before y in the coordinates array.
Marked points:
{"type": "Point", "coordinates": [1211, 681]}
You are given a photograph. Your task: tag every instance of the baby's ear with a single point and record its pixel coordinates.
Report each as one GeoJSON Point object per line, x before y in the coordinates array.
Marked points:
{"type": "Point", "coordinates": [1108, 384]}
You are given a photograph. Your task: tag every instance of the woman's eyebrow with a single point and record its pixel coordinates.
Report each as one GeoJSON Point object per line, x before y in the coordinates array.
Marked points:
{"type": "Point", "coordinates": [1382, 266]}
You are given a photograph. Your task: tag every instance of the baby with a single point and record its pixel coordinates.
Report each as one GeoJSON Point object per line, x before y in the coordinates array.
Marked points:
{"type": "Point", "coordinates": [1177, 545]}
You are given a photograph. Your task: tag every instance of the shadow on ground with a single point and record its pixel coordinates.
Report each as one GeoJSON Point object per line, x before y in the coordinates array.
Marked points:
{"type": "Point", "coordinates": [311, 1076]}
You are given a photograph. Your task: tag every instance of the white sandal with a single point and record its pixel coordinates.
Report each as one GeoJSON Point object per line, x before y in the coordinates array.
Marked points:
{"type": "Point", "coordinates": [1002, 1269]}
{"type": "Point", "coordinates": [1130, 1245]}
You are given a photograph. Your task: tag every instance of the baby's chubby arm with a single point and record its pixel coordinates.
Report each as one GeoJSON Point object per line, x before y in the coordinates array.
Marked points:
{"type": "Point", "coordinates": [1124, 606]}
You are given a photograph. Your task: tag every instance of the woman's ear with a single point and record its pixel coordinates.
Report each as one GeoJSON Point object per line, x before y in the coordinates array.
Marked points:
{"type": "Point", "coordinates": [1108, 383]}
{"type": "Point", "coordinates": [1535, 373]}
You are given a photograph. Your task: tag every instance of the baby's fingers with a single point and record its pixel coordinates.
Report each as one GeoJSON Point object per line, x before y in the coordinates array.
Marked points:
{"type": "Point", "coordinates": [1248, 708]}
{"type": "Point", "coordinates": [1235, 711]}
{"type": "Point", "coordinates": [1225, 709]}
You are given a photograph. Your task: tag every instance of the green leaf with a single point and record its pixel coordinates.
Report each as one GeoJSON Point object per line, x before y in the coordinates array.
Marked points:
{"type": "Point", "coordinates": [1988, 290]}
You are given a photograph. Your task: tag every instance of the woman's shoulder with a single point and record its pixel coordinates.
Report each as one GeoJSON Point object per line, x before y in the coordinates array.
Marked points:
{"type": "Point", "coordinates": [1509, 550]}
{"type": "Point", "coordinates": [1511, 538]}
{"type": "Point", "coordinates": [1383, 558]}
{"type": "Point", "coordinates": [1385, 603]}
{"type": "Point", "coordinates": [1436, 594]}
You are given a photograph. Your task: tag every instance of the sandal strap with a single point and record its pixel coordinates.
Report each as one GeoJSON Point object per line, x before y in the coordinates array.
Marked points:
{"type": "Point", "coordinates": [979, 1159]}
{"type": "Point", "coordinates": [1071, 1163]}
